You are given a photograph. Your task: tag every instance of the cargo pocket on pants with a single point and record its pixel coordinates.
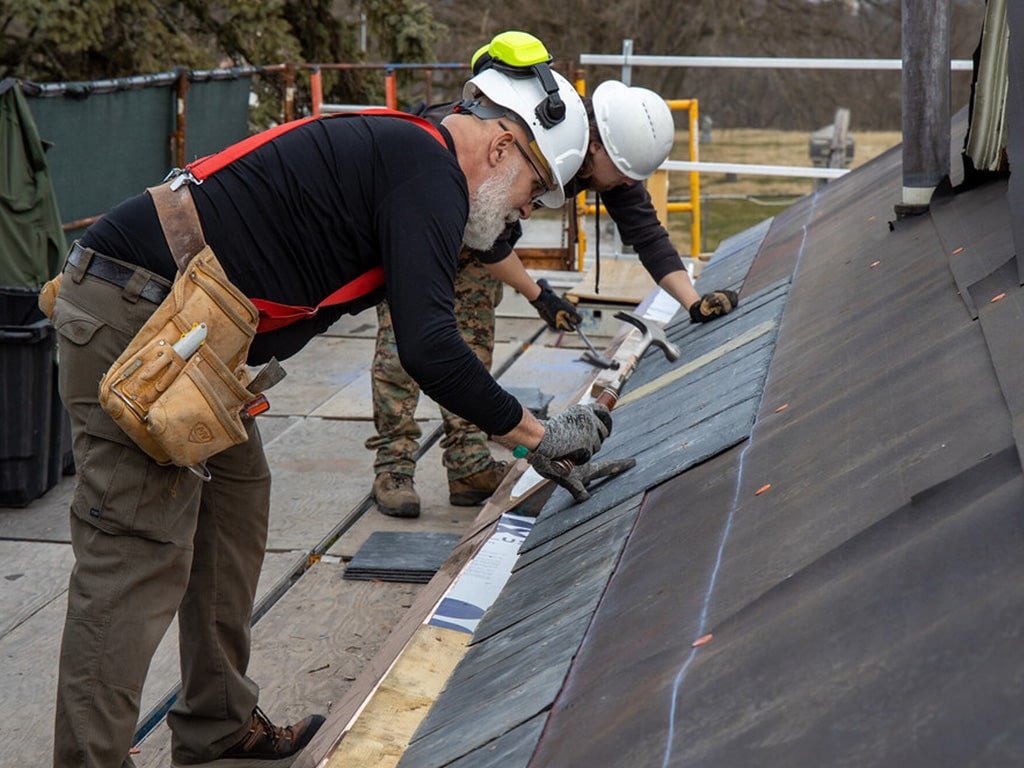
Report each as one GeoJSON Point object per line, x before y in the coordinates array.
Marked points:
{"type": "Point", "coordinates": [121, 490]}
{"type": "Point", "coordinates": [74, 323]}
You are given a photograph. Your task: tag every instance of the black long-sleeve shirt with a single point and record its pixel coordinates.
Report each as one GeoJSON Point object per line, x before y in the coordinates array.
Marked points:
{"type": "Point", "coordinates": [304, 214]}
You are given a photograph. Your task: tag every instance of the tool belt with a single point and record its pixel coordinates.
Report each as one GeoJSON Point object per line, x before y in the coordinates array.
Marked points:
{"type": "Point", "coordinates": [48, 294]}
{"type": "Point", "coordinates": [183, 409]}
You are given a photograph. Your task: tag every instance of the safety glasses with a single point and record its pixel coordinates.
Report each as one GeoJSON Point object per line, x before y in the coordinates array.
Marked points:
{"type": "Point", "coordinates": [541, 186]}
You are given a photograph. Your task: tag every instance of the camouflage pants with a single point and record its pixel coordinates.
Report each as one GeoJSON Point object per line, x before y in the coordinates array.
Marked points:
{"type": "Point", "coordinates": [396, 395]}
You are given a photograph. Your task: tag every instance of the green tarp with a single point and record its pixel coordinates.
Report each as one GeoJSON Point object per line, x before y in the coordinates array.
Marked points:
{"type": "Point", "coordinates": [112, 139]}
{"type": "Point", "coordinates": [32, 245]}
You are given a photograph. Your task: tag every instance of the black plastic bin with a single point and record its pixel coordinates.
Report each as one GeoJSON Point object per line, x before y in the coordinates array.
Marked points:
{"type": "Point", "coordinates": [35, 440]}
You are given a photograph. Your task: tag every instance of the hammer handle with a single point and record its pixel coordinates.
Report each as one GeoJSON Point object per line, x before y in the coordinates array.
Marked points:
{"type": "Point", "coordinates": [609, 396]}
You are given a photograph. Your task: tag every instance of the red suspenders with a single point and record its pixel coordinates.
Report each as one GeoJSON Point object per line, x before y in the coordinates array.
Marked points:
{"type": "Point", "coordinates": [272, 314]}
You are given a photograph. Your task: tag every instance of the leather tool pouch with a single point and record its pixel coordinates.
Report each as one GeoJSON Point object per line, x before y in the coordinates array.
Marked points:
{"type": "Point", "coordinates": [48, 295]}
{"type": "Point", "coordinates": [184, 411]}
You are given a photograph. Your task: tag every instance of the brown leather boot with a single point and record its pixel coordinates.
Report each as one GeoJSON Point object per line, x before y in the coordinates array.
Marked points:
{"type": "Point", "coordinates": [474, 490]}
{"type": "Point", "coordinates": [267, 745]}
{"type": "Point", "coordinates": [395, 495]}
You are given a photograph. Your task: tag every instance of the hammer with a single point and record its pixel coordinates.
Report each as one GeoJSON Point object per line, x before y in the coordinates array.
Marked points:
{"type": "Point", "coordinates": [594, 357]}
{"type": "Point", "coordinates": [562, 321]}
{"type": "Point", "coordinates": [652, 336]}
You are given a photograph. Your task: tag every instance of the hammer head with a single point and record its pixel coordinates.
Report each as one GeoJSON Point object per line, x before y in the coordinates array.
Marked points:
{"type": "Point", "coordinates": [653, 335]}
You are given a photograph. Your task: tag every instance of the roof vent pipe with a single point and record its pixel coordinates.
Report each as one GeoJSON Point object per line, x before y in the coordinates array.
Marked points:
{"type": "Point", "coordinates": [926, 97]}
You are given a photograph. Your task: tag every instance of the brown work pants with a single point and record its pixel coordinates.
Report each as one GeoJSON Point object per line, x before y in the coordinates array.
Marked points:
{"type": "Point", "coordinates": [149, 541]}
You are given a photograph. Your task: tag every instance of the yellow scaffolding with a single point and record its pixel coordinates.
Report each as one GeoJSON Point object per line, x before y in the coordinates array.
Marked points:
{"type": "Point", "coordinates": [657, 185]}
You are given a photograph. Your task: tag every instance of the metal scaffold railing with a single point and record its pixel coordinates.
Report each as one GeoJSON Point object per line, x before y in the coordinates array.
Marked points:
{"type": "Point", "coordinates": [657, 184]}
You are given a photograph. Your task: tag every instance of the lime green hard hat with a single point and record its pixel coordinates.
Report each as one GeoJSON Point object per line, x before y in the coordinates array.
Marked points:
{"type": "Point", "coordinates": [513, 49]}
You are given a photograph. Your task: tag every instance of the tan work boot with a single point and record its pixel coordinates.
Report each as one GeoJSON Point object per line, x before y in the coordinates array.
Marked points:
{"type": "Point", "coordinates": [395, 495]}
{"type": "Point", "coordinates": [266, 744]}
{"type": "Point", "coordinates": [474, 490]}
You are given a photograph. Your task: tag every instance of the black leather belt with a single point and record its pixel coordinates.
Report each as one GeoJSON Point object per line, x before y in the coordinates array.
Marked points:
{"type": "Point", "coordinates": [117, 273]}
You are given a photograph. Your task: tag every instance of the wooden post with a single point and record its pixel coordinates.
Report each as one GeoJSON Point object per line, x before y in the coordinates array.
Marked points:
{"type": "Point", "coordinates": [316, 90]}
{"type": "Point", "coordinates": [926, 98]}
{"type": "Point", "coordinates": [180, 119]}
{"type": "Point", "coordinates": [390, 89]}
{"type": "Point", "coordinates": [837, 145]}
{"type": "Point", "coordinates": [840, 134]}
{"type": "Point", "coordinates": [289, 92]}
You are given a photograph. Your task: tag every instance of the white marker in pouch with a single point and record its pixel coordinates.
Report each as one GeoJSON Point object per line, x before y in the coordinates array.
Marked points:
{"type": "Point", "coordinates": [189, 342]}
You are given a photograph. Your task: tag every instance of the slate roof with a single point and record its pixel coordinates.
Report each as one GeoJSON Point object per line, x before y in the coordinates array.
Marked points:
{"type": "Point", "coordinates": [838, 502]}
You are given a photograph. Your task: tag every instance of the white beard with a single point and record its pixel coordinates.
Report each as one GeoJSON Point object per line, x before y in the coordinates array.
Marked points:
{"type": "Point", "coordinates": [490, 210]}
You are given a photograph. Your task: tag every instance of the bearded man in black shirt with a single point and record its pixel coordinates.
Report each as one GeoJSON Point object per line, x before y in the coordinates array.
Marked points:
{"type": "Point", "coordinates": [292, 217]}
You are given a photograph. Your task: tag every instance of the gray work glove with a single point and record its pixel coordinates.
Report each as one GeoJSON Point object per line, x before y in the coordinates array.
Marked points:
{"type": "Point", "coordinates": [575, 478]}
{"type": "Point", "coordinates": [712, 305]}
{"type": "Point", "coordinates": [576, 433]}
{"type": "Point", "coordinates": [557, 311]}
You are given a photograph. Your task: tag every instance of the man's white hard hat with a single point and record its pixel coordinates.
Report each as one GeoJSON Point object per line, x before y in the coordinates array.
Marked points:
{"type": "Point", "coordinates": [636, 127]}
{"type": "Point", "coordinates": [563, 145]}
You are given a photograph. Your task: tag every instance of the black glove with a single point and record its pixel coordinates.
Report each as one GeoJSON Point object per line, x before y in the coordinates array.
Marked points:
{"type": "Point", "coordinates": [576, 478]}
{"type": "Point", "coordinates": [712, 305]}
{"type": "Point", "coordinates": [555, 310]}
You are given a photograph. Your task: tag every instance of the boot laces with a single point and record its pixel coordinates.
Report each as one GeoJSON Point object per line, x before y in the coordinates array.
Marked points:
{"type": "Point", "coordinates": [400, 481]}
{"type": "Point", "coordinates": [274, 732]}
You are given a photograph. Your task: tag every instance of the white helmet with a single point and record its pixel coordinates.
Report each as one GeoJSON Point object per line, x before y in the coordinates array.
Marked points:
{"type": "Point", "coordinates": [562, 143]}
{"type": "Point", "coordinates": [636, 127]}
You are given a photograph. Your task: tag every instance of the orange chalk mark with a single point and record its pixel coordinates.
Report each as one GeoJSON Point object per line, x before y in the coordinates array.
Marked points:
{"type": "Point", "coordinates": [997, 298]}
{"type": "Point", "coordinates": [782, 407]}
{"type": "Point", "coordinates": [702, 640]}
{"type": "Point", "coordinates": [762, 489]}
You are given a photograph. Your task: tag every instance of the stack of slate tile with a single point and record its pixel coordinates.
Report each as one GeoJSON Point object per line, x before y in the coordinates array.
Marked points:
{"type": "Point", "coordinates": [412, 557]}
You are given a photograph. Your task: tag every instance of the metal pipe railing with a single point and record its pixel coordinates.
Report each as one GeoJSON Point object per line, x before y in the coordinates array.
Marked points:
{"type": "Point", "coordinates": [748, 169]}
{"type": "Point", "coordinates": [755, 62]}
